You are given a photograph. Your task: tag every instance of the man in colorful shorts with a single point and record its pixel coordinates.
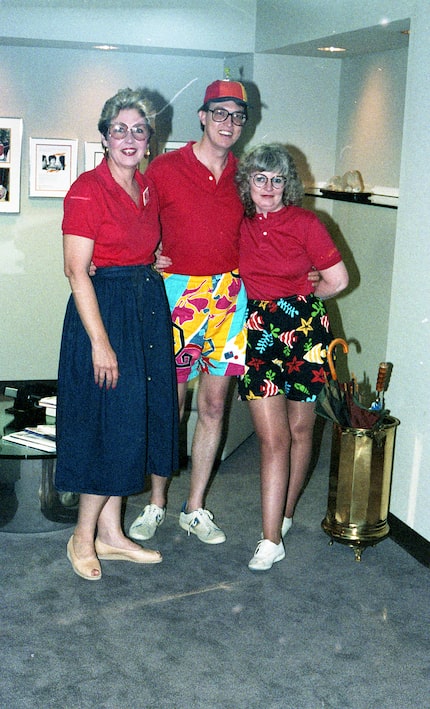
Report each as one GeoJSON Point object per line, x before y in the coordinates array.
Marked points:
{"type": "Point", "coordinates": [200, 214]}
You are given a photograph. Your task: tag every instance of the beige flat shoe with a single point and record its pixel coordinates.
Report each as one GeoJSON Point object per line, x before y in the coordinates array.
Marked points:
{"type": "Point", "coordinates": [138, 556]}
{"type": "Point", "coordinates": [83, 567]}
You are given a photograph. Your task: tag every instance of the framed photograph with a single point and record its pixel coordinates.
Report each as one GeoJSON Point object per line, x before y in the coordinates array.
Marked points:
{"type": "Point", "coordinates": [93, 155]}
{"type": "Point", "coordinates": [173, 145]}
{"type": "Point", "coordinates": [53, 166]}
{"type": "Point", "coordinates": [10, 164]}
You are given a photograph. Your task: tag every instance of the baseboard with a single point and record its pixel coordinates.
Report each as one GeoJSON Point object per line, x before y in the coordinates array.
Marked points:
{"type": "Point", "coordinates": [410, 540]}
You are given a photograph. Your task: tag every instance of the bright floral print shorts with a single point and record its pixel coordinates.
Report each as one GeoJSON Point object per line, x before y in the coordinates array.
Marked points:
{"type": "Point", "coordinates": [286, 351]}
{"type": "Point", "coordinates": [208, 316]}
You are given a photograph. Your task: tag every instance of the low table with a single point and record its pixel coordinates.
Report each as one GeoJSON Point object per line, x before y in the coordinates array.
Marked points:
{"type": "Point", "coordinates": [29, 502]}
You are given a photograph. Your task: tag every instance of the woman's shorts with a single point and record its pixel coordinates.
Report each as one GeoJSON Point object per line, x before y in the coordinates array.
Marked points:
{"type": "Point", "coordinates": [208, 316]}
{"type": "Point", "coordinates": [287, 348]}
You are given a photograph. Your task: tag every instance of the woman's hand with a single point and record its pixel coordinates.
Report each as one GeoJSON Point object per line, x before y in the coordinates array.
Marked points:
{"type": "Point", "coordinates": [161, 262]}
{"type": "Point", "coordinates": [105, 365]}
{"type": "Point", "coordinates": [314, 277]}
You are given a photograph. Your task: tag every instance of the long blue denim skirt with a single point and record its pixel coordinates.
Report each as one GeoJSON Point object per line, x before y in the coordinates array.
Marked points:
{"type": "Point", "coordinates": [109, 439]}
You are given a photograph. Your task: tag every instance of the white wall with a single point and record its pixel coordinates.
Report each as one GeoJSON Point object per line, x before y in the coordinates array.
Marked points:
{"type": "Point", "coordinates": [409, 323]}
{"type": "Point", "coordinates": [300, 100]}
{"type": "Point", "coordinates": [370, 125]}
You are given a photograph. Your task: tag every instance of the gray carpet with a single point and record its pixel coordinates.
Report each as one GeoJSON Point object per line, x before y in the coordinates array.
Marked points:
{"type": "Point", "coordinates": [200, 630]}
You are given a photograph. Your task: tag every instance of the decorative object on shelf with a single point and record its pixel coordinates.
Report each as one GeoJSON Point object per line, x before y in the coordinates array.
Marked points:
{"type": "Point", "coordinates": [348, 187]}
{"type": "Point", "coordinates": [10, 164]}
{"type": "Point", "coordinates": [53, 166]}
{"type": "Point", "coordinates": [351, 181]}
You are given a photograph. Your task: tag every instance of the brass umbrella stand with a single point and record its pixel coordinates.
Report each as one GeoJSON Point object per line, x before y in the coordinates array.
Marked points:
{"type": "Point", "coordinates": [360, 466]}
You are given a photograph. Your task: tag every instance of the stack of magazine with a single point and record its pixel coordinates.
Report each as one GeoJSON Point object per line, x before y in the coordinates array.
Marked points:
{"type": "Point", "coordinates": [49, 403]}
{"type": "Point", "coordinates": [41, 437]}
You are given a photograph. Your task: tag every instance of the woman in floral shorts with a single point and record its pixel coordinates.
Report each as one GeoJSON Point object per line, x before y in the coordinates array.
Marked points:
{"type": "Point", "coordinates": [288, 331]}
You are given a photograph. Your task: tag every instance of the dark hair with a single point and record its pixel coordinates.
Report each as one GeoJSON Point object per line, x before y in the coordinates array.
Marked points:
{"type": "Point", "coordinates": [124, 98]}
{"type": "Point", "coordinates": [273, 157]}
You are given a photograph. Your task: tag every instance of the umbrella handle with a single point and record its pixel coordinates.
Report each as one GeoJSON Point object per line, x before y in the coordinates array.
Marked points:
{"type": "Point", "coordinates": [330, 348]}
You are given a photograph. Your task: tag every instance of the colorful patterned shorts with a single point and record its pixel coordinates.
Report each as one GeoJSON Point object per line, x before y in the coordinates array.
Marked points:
{"type": "Point", "coordinates": [208, 316]}
{"type": "Point", "coordinates": [287, 348]}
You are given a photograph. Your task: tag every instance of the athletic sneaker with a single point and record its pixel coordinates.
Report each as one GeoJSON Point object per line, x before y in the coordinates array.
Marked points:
{"type": "Point", "coordinates": [199, 522]}
{"type": "Point", "coordinates": [146, 524]}
{"type": "Point", "coordinates": [287, 523]}
{"type": "Point", "coordinates": [266, 554]}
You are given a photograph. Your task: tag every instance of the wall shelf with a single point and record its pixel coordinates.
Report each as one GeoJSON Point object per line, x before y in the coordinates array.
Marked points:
{"type": "Point", "coordinates": [353, 197]}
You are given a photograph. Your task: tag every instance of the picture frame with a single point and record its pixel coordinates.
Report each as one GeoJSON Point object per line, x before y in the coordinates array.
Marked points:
{"type": "Point", "coordinates": [10, 164]}
{"type": "Point", "coordinates": [173, 145]}
{"type": "Point", "coordinates": [53, 166]}
{"type": "Point", "coordinates": [93, 155]}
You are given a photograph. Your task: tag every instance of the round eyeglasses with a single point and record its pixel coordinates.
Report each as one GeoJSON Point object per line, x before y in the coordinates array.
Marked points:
{"type": "Point", "coordinates": [119, 131]}
{"type": "Point", "coordinates": [219, 115]}
{"type": "Point", "coordinates": [260, 181]}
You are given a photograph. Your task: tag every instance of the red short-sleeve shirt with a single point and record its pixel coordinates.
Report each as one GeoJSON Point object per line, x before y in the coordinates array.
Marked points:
{"type": "Point", "coordinates": [278, 251]}
{"type": "Point", "coordinates": [97, 208]}
{"type": "Point", "coordinates": [200, 217]}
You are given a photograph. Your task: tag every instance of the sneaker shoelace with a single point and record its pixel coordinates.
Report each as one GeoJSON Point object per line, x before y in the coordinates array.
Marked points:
{"type": "Point", "coordinates": [201, 517]}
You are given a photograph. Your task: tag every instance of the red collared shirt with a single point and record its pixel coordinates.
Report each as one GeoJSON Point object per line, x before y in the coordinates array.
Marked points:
{"type": "Point", "coordinates": [277, 252]}
{"type": "Point", "coordinates": [200, 217]}
{"type": "Point", "coordinates": [97, 208]}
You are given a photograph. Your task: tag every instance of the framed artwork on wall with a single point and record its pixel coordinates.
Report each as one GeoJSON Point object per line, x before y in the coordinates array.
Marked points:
{"type": "Point", "coordinates": [93, 155]}
{"type": "Point", "coordinates": [10, 164]}
{"type": "Point", "coordinates": [53, 166]}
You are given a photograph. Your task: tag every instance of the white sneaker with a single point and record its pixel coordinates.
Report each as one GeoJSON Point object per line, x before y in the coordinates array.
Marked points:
{"type": "Point", "coordinates": [199, 522]}
{"type": "Point", "coordinates": [146, 524]}
{"type": "Point", "coordinates": [287, 523]}
{"type": "Point", "coordinates": [266, 554]}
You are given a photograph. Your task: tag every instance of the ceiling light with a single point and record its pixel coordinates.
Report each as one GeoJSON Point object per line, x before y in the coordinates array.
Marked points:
{"type": "Point", "coordinates": [331, 49]}
{"type": "Point", "coordinates": [104, 47]}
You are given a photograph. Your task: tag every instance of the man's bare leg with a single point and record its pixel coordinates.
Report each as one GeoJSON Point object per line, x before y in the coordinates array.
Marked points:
{"type": "Point", "coordinates": [212, 394]}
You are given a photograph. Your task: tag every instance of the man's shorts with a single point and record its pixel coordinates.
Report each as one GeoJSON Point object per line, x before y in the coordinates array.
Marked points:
{"type": "Point", "coordinates": [287, 348]}
{"type": "Point", "coordinates": [208, 316]}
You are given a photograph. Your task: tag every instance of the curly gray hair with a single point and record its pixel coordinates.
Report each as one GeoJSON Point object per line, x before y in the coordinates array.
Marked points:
{"type": "Point", "coordinates": [271, 157]}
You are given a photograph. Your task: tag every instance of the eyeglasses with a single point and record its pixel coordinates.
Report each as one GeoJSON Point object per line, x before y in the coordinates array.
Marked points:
{"type": "Point", "coordinates": [260, 181]}
{"type": "Point", "coordinates": [219, 115]}
{"type": "Point", "coordinates": [119, 131]}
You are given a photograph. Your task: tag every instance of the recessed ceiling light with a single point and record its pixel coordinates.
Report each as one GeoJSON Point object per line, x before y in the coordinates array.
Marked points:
{"type": "Point", "coordinates": [331, 49]}
{"type": "Point", "coordinates": [105, 47]}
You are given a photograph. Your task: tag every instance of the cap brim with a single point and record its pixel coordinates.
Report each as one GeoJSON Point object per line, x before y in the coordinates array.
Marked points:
{"type": "Point", "coordinates": [224, 98]}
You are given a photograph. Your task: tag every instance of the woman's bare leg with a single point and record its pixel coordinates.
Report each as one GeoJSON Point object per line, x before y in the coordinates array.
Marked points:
{"type": "Point", "coordinates": [271, 426]}
{"type": "Point", "coordinates": [301, 421]}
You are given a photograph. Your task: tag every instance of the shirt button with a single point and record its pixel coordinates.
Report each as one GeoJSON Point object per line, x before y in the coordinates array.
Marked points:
{"type": "Point", "coordinates": [264, 233]}
{"type": "Point", "coordinates": [151, 347]}
{"type": "Point", "coordinates": [211, 177]}
{"type": "Point", "coordinates": [147, 280]}
{"type": "Point", "coordinates": [149, 379]}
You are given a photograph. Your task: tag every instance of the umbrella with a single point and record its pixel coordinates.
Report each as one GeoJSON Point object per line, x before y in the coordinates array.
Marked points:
{"type": "Point", "coordinates": [339, 403]}
{"type": "Point", "coordinates": [331, 401]}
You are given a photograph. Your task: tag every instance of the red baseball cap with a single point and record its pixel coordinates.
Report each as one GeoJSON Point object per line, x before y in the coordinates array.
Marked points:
{"type": "Point", "coordinates": [225, 90]}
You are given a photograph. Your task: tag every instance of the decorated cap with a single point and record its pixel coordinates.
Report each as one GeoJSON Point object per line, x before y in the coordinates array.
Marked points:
{"type": "Point", "coordinates": [225, 90]}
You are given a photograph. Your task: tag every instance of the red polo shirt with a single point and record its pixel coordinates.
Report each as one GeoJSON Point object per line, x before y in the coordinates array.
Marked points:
{"type": "Point", "coordinates": [97, 208]}
{"type": "Point", "coordinates": [200, 218]}
{"type": "Point", "coordinates": [277, 252]}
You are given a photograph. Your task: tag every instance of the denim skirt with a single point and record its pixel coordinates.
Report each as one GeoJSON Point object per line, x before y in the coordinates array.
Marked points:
{"type": "Point", "coordinates": [109, 439]}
